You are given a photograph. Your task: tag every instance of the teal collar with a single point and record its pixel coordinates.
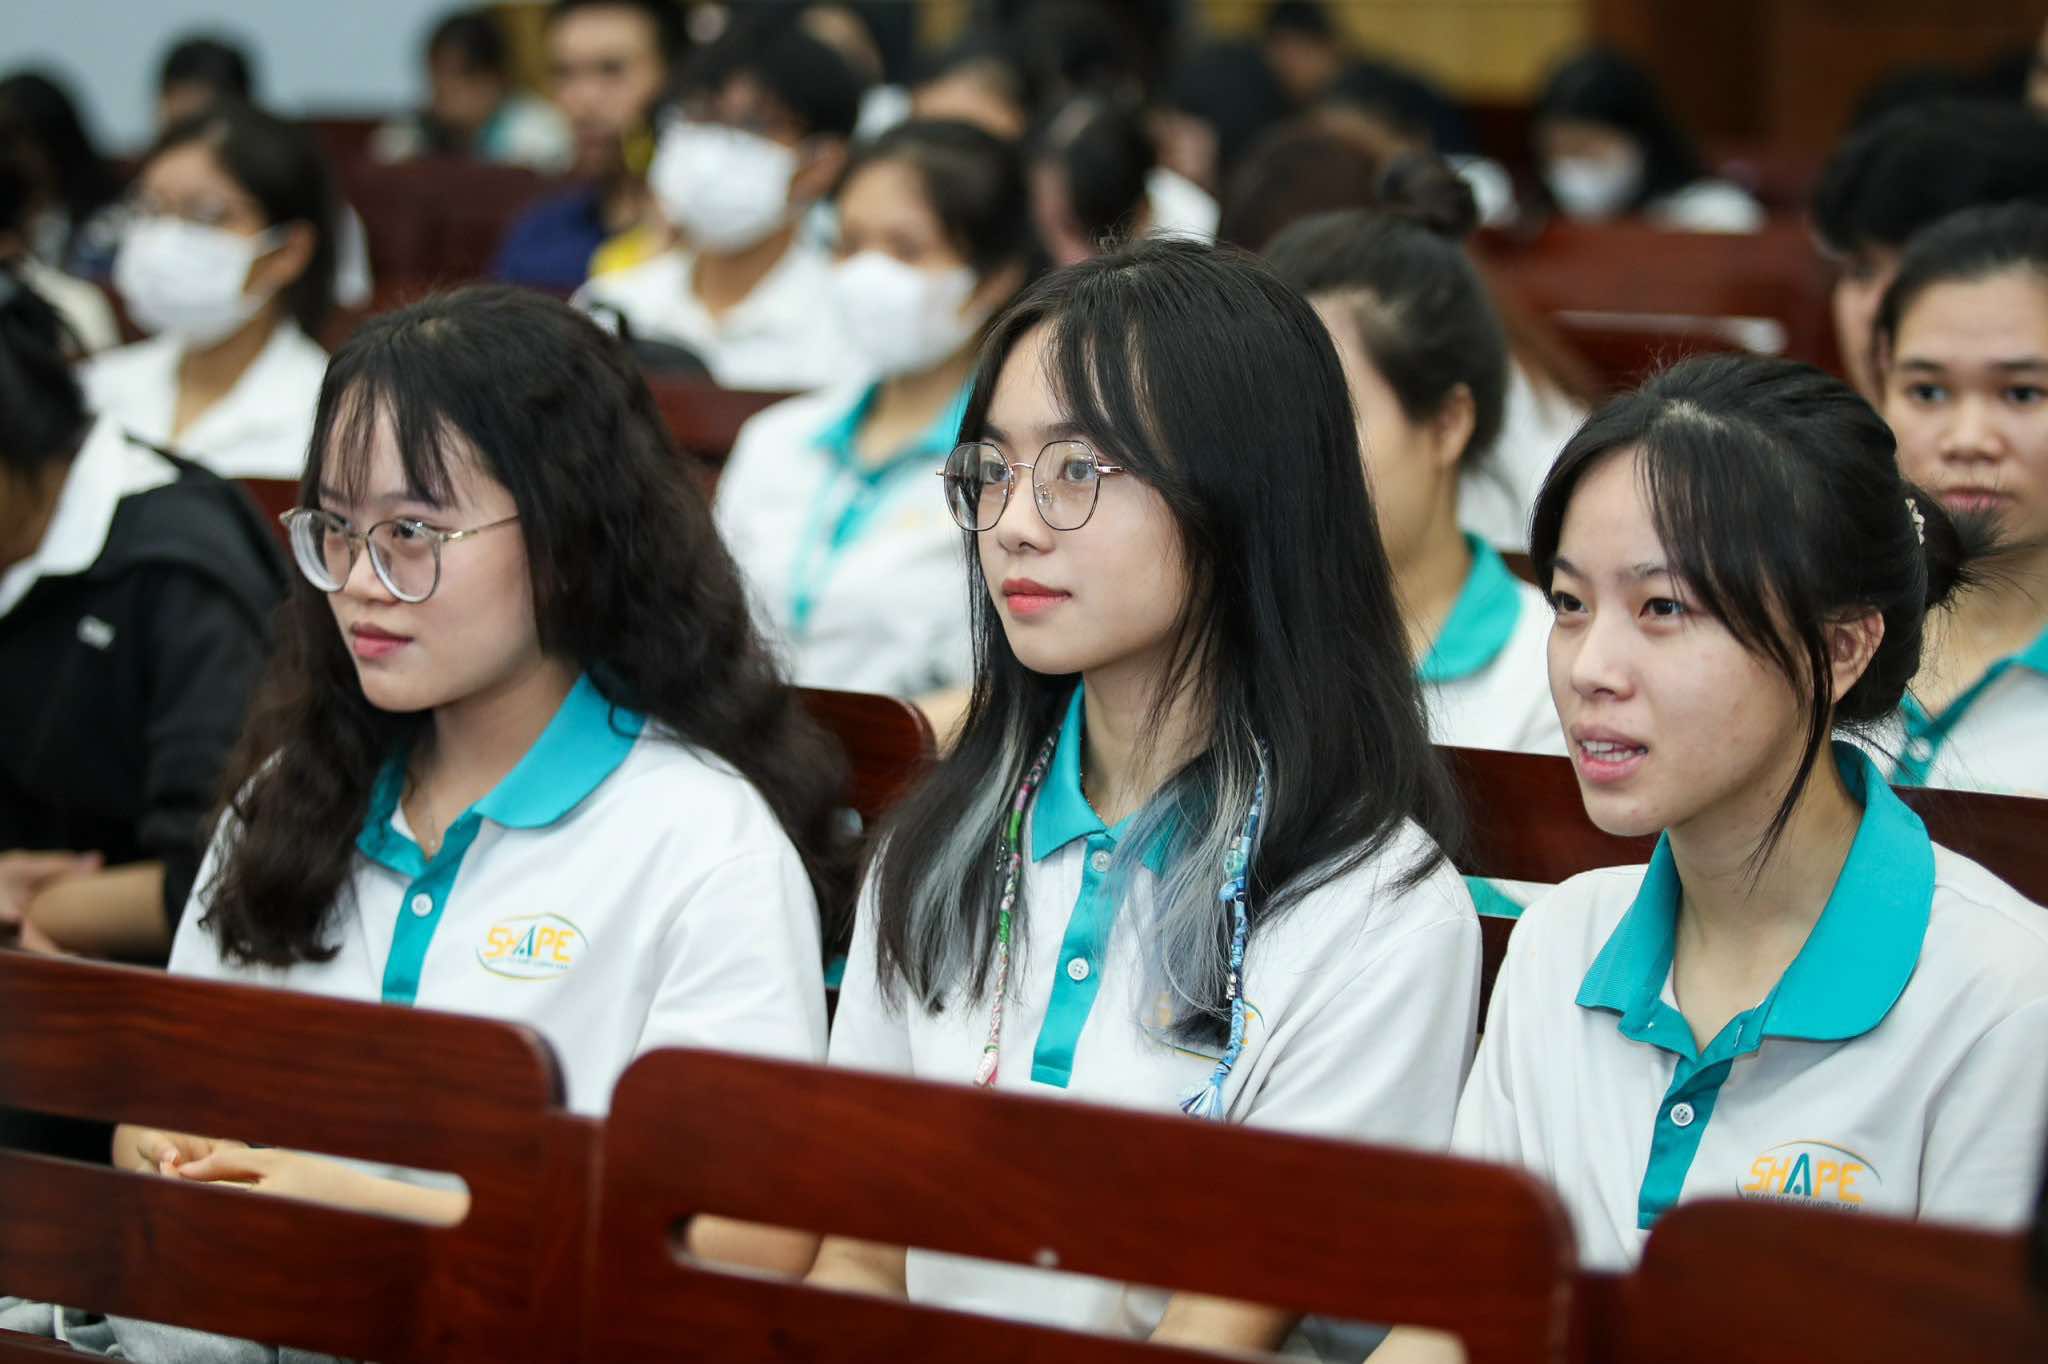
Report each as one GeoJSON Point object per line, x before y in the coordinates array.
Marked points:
{"type": "Point", "coordinates": [935, 442]}
{"type": "Point", "coordinates": [584, 743]}
{"type": "Point", "coordinates": [1482, 619]}
{"type": "Point", "coordinates": [1855, 963]}
{"type": "Point", "coordinates": [2035, 655]}
{"type": "Point", "coordinates": [1061, 813]}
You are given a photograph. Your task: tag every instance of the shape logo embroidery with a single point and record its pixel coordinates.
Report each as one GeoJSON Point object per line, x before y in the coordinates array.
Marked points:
{"type": "Point", "coordinates": [1813, 1173]}
{"type": "Point", "coordinates": [532, 947]}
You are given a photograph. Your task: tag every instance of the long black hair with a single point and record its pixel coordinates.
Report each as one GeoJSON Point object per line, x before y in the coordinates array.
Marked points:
{"type": "Point", "coordinates": [1602, 86]}
{"type": "Point", "coordinates": [629, 580]}
{"type": "Point", "coordinates": [281, 167]}
{"type": "Point", "coordinates": [1215, 384]}
{"type": "Point", "coordinates": [1776, 493]}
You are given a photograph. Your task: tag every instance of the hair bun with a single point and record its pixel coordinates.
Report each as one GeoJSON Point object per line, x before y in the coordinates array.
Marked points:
{"type": "Point", "coordinates": [1424, 190]}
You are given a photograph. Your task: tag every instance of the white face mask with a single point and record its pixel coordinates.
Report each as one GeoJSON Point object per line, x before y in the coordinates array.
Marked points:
{"type": "Point", "coordinates": [187, 279]}
{"type": "Point", "coordinates": [724, 188]}
{"type": "Point", "coordinates": [1592, 189]}
{"type": "Point", "coordinates": [900, 318]}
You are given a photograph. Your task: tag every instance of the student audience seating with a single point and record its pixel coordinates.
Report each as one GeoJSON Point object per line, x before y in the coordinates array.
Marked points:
{"type": "Point", "coordinates": [1527, 824]}
{"type": "Point", "coordinates": [888, 744]}
{"type": "Point", "coordinates": [404, 1087]}
{"type": "Point", "coordinates": [1732, 1282]}
{"type": "Point", "coordinates": [704, 420]}
{"type": "Point", "coordinates": [440, 218]}
{"type": "Point", "coordinates": [1334, 1228]}
{"type": "Point", "coordinates": [1631, 269]}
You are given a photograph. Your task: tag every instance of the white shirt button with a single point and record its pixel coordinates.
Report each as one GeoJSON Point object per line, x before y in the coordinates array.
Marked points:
{"type": "Point", "coordinates": [1077, 969]}
{"type": "Point", "coordinates": [423, 904]}
{"type": "Point", "coordinates": [1100, 860]}
{"type": "Point", "coordinates": [1681, 1115]}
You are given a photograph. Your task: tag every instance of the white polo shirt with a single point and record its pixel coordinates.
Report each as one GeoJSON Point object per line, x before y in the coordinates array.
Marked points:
{"type": "Point", "coordinates": [260, 428]}
{"type": "Point", "coordinates": [1994, 737]}
{"type": "Point", "coordinates": [618, 891]}
{"type": "Point", "coordinates": [785, 335]}
{"type": "Point", "coordinates": [856, 570]}
{"type": "Point", "coordinates": [1487, 684]}
{"type": "Point", "coordinates": [1896, 1068]}
{"type": "Point", "coordinates": [1360, 1011]}
{"type": "Point", "coordinates": [1487, 677]}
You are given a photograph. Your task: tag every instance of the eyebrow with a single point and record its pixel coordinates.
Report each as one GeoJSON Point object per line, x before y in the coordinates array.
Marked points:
{"type": "Point", "coordinates": [2023, 364]}
{"type": "Point", "coordinates": [1058, 431]}
{"type": "Point", "coordinates": [327, 494]}
{"type": "Point", "coordinates": [1636, 572]}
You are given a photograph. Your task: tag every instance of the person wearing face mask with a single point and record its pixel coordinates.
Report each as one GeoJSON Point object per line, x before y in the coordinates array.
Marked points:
{"type": "Point", "coordinates": [1609, 148]}
{"type": "Point", "coordinates": [853, 564]}
{"type": "Point", "coordinates": [1217, 891]}
{"type": "Point", "coordinates": [228, 260]}
{"type": "Point", "coordinates": [608, 63]}
{"type": "Point", "coordinates": [766, 114]}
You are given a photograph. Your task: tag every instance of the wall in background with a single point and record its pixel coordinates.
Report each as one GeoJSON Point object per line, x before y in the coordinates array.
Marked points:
{"type": "Point", "coordinates": [310, 57]}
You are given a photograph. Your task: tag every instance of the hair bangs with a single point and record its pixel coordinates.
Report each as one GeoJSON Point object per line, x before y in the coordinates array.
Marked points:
{"type": "Point", "coordinates": [363, 404]}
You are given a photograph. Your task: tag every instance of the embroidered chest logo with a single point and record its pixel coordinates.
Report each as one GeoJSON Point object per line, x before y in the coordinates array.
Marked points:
{"type": "Point", "coordinates": [1811, 1172]}
{"type": "Point", "coordinates": [532, 947]}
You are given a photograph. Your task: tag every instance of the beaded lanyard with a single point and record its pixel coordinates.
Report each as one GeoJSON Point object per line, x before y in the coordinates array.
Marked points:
{"type": "Point", "coordinates": [1206, 1100]}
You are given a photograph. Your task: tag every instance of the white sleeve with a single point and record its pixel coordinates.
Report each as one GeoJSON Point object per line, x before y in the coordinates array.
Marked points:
{"type": "Point", "coordinates": [867, 1032]}
{"type": "Point", "coordinates": [1983, 1161]}
{"type": "Point", "coordinates": [1487, 1126]}
{"type": "Point", "coordinates": [743, 966]}
{"type": "Point", "coordinates": [194, 949]}
{"type": "Point", "coordinates": [1383, 1054]}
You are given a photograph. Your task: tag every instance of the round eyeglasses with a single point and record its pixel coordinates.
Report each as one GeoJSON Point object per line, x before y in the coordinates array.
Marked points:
{"type": "Point", "coordinates": [1065, 480]}
{"type": "Point", "coordinates": [405, 554]}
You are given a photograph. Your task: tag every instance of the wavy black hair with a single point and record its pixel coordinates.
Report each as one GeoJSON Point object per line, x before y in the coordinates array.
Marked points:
{"type": "Point", "coordinates": [1217, 386]}
{"type": "Point", "coordinates": [629, 580]}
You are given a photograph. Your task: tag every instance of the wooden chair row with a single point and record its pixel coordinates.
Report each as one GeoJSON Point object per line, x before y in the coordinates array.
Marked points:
{"type": "Point", "coordinates": [569, 1248]}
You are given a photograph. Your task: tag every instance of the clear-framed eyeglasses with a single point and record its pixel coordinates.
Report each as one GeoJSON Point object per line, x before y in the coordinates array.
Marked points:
{"type": "Point", "coordinates": [1066, 479]}
{"type": "Point", "coordinates": [405, 553]}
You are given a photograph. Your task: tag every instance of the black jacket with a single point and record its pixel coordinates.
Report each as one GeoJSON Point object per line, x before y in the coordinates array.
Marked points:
{"type": "Point", "coordinates": [123, 688]}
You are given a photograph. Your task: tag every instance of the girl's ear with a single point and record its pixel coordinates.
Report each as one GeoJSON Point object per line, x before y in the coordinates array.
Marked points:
{"type": "Point", "coordinates": [1450, 430]}
{"type": "Point", "coordinates": [1852, 643]}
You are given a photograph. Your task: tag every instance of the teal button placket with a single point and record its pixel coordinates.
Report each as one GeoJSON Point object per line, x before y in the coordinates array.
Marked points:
{"type": "Point", "coordinates": [1077, 975]}
{"type": "Point", "coordinates": [1688, 1103]}
{"type": "Point", "coordinates": [419, 913]}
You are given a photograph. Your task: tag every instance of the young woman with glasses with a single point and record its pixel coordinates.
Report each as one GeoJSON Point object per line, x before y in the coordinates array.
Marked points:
{"type": "Point", "coordinates": [1160, 869]}
{"type": "Point", "coordinates": [522, 753]}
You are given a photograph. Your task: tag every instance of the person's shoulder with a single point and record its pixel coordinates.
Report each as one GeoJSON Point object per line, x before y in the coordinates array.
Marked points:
{"type": "Point", "coordinates": [1709, 205]}
{"type": "Point", "coordinates": [796, 422]}
{"type": "Point", "coordinates": [1983, 930]}
{"type": "Point", "coordinates": [110, 372]}
{"type": "Point", "coordinates": [667, 783]}
{"type": "Point", "coordinates": [658, 277]}
{"type": "Point", "coordinates": [1573, 919]}
{"type": "Point", "coordinates": [200, 522]}
{"type": "Point", "coordinates": [1405, 883]}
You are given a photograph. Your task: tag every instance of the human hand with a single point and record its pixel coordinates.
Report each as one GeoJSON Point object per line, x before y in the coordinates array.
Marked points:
{"type": "Point", "coordinates": [154, 1151]}
{"type": "Point", "coordinates": [24, 875]}
{"type": "Point", "coordinates": [283, 1174]}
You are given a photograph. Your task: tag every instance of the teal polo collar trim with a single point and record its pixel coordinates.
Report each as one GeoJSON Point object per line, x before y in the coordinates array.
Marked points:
{"type": "Point", "coordinates": [935, 442]}
{"type": "Point", "coordinates": [1060, 813]}
{"type": "Point", "coordinates": [1855, 963]}
{"type": "Point", "coordinates": [2035, 656]}
{"type": "Point", "coordinates": [583, 744]}
{"type": "Point", "coordinates": [1482, 619]}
